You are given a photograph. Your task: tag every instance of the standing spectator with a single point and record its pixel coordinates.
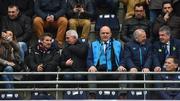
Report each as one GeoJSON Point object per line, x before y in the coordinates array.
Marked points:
{"type": "Point", "coordinates": [51, 13]}
{"type": "Point", "coordinates": [105, 54]}
{"type": "Point", "coordinates": [155, 7]}
{"type": "Point", "coordinates": [130, 4]}
{"type": "Point", "coordinates": [166, 46]}
{"type": "Point", "coordinates": [9, 57]}
{"type": "Point", "coordinates": [137, 21]}
{"type": "Point", "coordinates": [162, 19]}
{"type": "Point", "coordinates": [137, 55]}
{"type": "Point", "coordinates": [73, 57]}
{"type": "Point", "coordinates": [43, 58]}
{"type": "Point", "coordinates": [25, 6]}
{"type": "Point", "coordinates": [171, 65]}
{"type": "Point", "coordinates": [80, 13]}
{"type": "Point", "coordinates": [21, 26]}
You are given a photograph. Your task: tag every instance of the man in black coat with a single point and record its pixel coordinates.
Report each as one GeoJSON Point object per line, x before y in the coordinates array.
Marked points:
{"type": "Point", "coordinates": [43, 58]}
{"type": "Point", "coordinates": [73, 57]}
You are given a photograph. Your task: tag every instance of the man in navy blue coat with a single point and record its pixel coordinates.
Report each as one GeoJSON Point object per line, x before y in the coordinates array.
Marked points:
{"type": "Point", "coordinates": [166, 46]}
{"type": "Point", "coordinates": [170, 65]}
{"type": "Point", "coordinates": [137, 55]}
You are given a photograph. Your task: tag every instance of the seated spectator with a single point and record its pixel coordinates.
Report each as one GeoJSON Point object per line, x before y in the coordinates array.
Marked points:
{"type": "Point", "coordinates": [175, 19]}
{"type": "Point", "coordinates": [166, 46]}
{"type": "Point", "coordinates": [51, 13]}
{"type": "Point", "coordinates": [162, 19]}
{"type": "Point", "coordinates": [138, 56]}
{"type": "Point", "coordinates": [105, 54]}
{"type": "Point", "coordinates": [25, 6]}
{"type": "Point", "coordinates": [155, 7]}
{"type": "Point", "coordinates": [137, 21]}
{"type": "Point", "coordinates": [130, 4]}
{"type": "Point", "coordinates": [43, 58]}
{"type": "Point", "coordinates": [79, 14]}
{"type": "Point", "coordinates": [73, 57]}
{"type": "Point", "coordinates": [171, 65]}
{"type": "Point", "coordinates": [9, 57]}
{"type": "Point", "coordinates": [20, 25]}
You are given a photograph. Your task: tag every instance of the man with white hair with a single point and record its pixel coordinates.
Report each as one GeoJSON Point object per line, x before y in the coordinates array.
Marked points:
{"type": "Point", "coordinates": [73, 57]}
{"type": "Point", "coordinates": [137, 55]}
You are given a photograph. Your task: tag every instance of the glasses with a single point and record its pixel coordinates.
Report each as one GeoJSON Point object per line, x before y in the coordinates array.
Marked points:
{"type": "Point", "coordinates": [139, 10]}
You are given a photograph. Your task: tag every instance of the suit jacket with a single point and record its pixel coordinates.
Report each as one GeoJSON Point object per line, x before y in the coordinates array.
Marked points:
{"type": "Point", "coordinates": [171, 95]}
{"type": "Point", "coordinates": [159, 51]}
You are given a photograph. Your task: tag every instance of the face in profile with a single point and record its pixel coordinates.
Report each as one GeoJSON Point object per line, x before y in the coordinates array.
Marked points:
{"type": "Point", "coordinates": [141, 37]}
{"type": "Point", "coordinates": [164, 37]}
{"type": "Point", "coordinates": [105, 33]}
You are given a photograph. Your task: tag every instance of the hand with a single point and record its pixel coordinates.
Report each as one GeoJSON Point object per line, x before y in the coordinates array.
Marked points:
{"type": "Point", "coordinates": [69, 62]}
{"type": "Point", "coordinates": [146, 70]}
{"type": "Point", "coordinates": [50, 18]}
{"type": "Point", "coordinates": [166, 16]}
{"type": "Point", "coordinates": [133, 70]}
{"type": "Point", "coordinates": [121, 69]}
{"type": "Point", "coordinates": [148, 1]}
{"type": "Point", "coordinates": [75, 10]}
{"type": "Point", "coordinates": [81, 10]}
{"type": "Point", "coordinates": [3, 35]}
{"type": "Point", "coordinates": [40, 68]}
{"type": "Point", "coordinates": [10, 38]}
{"type": "Point", "coordinates": [11, 63]}
{"type": "Point", "coordinates": [157, 69]}
{"type": "Point", "coordinates": [92, 69]}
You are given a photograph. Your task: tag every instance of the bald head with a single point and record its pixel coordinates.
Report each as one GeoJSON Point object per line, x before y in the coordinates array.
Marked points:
{"type": "Point", "coordinates": [140, 35]}
{"type": "Point", "coordinates": [105, 33]}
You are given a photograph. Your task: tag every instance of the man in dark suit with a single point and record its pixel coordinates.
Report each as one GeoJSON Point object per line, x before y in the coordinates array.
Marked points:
{"type": "Point", "coordinates": [166, 46]}
{"type": "Point", "coordinates": [171, 65]}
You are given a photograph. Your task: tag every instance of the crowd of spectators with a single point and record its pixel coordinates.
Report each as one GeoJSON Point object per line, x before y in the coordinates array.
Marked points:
{"type": "Point", "coordinates": [149, 40]}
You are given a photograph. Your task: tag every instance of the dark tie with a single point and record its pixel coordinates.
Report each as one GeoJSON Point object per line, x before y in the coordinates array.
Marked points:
{"type": "Point", "coordinates": [166, 50]}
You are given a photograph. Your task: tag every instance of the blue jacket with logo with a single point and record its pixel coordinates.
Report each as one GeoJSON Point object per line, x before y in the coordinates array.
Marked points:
{"type": "Point", "coordinates": [137, 55]}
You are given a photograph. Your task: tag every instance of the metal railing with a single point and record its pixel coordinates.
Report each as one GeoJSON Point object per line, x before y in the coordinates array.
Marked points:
{"type": "Point", "coordinates": [59, 82]}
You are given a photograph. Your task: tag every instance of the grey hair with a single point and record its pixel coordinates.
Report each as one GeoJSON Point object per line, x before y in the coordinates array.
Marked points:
{"type": "Point", "coordinates": [165, 29]}
{"type": "Point", "coordinates": [137, 32]}
{"type": "Point", "coordinates": [72, 33]}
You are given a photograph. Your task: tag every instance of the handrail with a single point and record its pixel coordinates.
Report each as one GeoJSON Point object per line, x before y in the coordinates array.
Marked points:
{"type": "Point", "coordinates": [91, 89]}
{"type": "Point", "coordinates": [91, 82]}
{"type": "Point", "coordinates": [85, 73]}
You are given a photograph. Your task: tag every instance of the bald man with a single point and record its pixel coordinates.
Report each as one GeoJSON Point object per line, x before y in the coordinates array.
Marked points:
{"type": "Point", "coordinates": [105, 55]}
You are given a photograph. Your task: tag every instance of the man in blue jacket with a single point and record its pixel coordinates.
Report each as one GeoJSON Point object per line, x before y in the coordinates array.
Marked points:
{"type": "Point", "coordinates": [105, 55]}
{"type": "Point", "coordinates": [167, 46]}
{"type": "Point", "coordinates": [137, 55]}
{"type": "Point", "coordinates": [171, 65]}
